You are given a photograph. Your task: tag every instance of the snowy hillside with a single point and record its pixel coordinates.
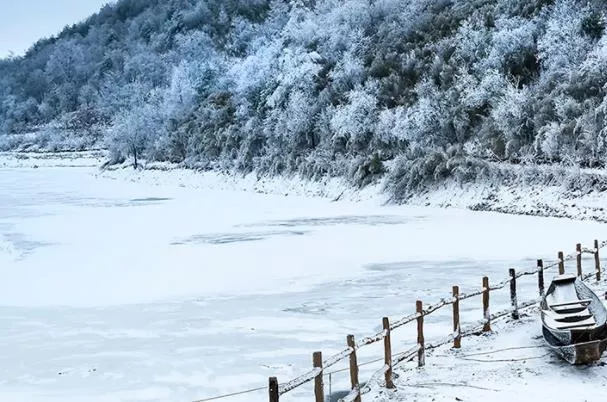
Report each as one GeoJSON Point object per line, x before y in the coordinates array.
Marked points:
{"type": "Point", "coordinates": [420, 91]}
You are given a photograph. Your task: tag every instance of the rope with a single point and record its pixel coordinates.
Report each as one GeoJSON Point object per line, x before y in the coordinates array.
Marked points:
{"type": "Point", "coordinates": [360, 365]}
{"type": "Point", "coordinates": [248, 391]}
{"type": "Point", "coordinates": [501, 350]}
{"type": "Point", "coordinates": [505, 360]}
{"type": "Point", "coordinates": [430, 384]}
{"type": "Point", "coordinates": [468, 356]}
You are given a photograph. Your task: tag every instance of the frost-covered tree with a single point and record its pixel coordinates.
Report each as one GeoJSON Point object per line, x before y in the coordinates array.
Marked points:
{"type": "Point", "coordinates": [322, 87]}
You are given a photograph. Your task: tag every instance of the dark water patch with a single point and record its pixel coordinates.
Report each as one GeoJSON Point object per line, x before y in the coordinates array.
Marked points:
{"type": "Point", "coordinates": [227, 238]}
{"type": "Point", "coordinates": [369, 220]}
{"type": "Point", "coordinates": [312, 308]}
{"type": "Point", "coordinates": [391, 266]}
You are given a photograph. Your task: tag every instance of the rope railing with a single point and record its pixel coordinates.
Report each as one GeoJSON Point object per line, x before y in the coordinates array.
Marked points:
{"type": "Point", "coordinates": [404, 321]}
{"type": "Point", "coordinates": [336, 358]}
{"type": "Point", "coordinates": [431, 309]}
{"type": "Point", "coordinates": [302, 379]}
{"type": "Point", "coordinates": [421, 348]}
{"type": "Point", "coordinates": [406, 355]}
{"type": "Point", "coordinates": [464, 296]}
{"type": "Point", "coordinates": [371, 339]}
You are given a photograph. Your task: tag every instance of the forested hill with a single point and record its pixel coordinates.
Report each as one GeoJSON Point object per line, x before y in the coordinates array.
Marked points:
{"type": "Point", "coordinates": [428, 88]}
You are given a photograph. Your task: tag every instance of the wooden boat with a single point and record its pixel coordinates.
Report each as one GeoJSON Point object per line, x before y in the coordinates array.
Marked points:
{"type": "Point", "coordinates": [574, 320]}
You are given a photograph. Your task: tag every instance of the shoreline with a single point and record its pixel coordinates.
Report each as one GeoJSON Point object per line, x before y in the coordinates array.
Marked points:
{"type": "Point", "coordinates": [518, 197]}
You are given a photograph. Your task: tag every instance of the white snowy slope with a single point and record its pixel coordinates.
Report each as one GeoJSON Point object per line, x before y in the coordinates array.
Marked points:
{"type": "Point", "coordinates": [129, 287]}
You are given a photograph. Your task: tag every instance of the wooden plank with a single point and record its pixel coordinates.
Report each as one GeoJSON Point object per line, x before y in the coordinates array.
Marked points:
{"type": "Point", "coordinates": [421, 353]}
{"type": "Point", "coordinates": [486, 315]}
{"type": "Point", "coordinates": [581, 302]}
{"type": "Point", "coordinates": [273, 389]}
{"type": "Point", "coordinates": [457, 329]}
{"type": "Point", "coordinates": [319, 392]}
{"type": "Point", "coordinates": [513, 299]}
{"type": "Point", "coordinates": [353, 366]}
{"type": "Point", "coordinates": [388, 353]}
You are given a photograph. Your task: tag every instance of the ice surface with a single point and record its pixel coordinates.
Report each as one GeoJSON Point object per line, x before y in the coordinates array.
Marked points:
{"type": "Point", "coordinates": [114, 290]}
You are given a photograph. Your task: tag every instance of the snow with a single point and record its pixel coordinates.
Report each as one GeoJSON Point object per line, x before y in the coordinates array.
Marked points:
{"type": "Point", "coordinates": [510, 363]}
{"type": "Point", "coordinates": [173, 285]}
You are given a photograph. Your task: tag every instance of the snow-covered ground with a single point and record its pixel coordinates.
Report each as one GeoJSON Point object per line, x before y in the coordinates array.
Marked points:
{"type": "Point", "coordinates": [512, 363]}
{"type": "Point", "coordinates": [176, 286]}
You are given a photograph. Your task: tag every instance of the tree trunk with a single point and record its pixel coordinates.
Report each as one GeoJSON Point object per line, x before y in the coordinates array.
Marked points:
{"type": "Point", "coordinates": [135, 164]}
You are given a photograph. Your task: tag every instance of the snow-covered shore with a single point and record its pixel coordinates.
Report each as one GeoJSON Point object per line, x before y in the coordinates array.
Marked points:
{"type": "Point", "coordinates": [519, 196]}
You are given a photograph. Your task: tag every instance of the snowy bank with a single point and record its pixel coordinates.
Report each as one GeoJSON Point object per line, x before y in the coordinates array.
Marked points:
{"type": "Point", "coordinates": [522, 190]}
{"type": "Point", "coordinates": [574, 193]}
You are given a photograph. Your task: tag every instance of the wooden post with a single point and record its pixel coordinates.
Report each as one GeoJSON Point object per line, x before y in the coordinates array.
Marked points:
{"type": "Point", "coordinates": [513, 294]}
{"type": "Point", "coordinates": [388, 353]}
{"type": "Point", "coordinates": [486, 315]}
{"type": "Point", "coordinates": [421, 352]}
{"type": "Point", "coordinates": [273, 389]}
{"type": "Point", "coordinates": [597, 261]}
{"type": "Point", "coordinates": [578, 259]}
{"type": "Point", "coordinates": [457, 330]}
{"type": "Point", "coordinates": [540, 276]}
{"type": "Point", "coordinates": [353, 366]}
{"type": "Point", "coordinates": [319, 392]}
{"type": "Point", "coordinates": [561, 263]}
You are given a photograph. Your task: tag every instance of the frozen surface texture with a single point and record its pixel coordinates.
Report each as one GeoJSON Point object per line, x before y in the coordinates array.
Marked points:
{"type": "Point", "coordinates": [123, 286]}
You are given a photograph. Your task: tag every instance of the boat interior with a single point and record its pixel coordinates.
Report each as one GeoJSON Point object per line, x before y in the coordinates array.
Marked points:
{"type": "Point", "coordinates": [565, 308]}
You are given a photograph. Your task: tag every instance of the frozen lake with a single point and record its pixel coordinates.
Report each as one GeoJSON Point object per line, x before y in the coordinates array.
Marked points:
{"type": "Point", "coordinates": [120, 291]}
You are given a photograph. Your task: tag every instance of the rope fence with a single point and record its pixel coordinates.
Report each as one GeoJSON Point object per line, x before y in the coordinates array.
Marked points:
{"type": "Point", "coordinates": [383, 376]}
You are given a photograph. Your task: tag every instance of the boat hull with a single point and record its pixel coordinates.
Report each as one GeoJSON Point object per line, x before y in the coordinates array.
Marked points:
{"type": "Point", "coordinates": [578, 353]}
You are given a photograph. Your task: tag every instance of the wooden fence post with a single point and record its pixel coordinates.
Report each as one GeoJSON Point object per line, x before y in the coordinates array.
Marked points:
{"type": "Point", "coordinates": [319, 392]}
{"type": "Point", "coordinates": [561, 263]}
{"type": "Point", "coordinates": [273, 388]}
{"type": "Point", "coordinates": [421, 352]}
{"type": "Point", "coordinates": [578, 259]}
{"type": "Point", "coordinates": [597, 261]}
{"type": "Point", "coordinates": [388, 353]}
{"type": "Point", "coordinates": [353, 366]}
{"type": "Point", "coordinates": [457, 330]}
{"type": "Point", "coordinates": [540, 276]}
{"type": "Point", "coordinates": [513, 294]}
{"type": "Point", "coordinates": [486, 315]}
